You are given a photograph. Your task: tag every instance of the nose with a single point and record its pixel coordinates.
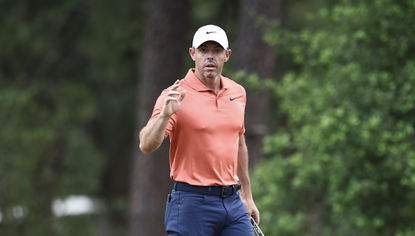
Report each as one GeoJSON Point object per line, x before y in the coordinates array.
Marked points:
{"type": "Point", "coordinates": [210, 55]}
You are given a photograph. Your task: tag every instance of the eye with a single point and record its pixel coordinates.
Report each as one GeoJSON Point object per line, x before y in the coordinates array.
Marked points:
{"type": "Point", "coordinates": [203, 50]}
{"type": "Point", "coordinates": [218, 51]}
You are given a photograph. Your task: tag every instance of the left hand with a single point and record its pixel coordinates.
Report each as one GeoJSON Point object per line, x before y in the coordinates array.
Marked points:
{"type": "Point", "coordinates": [252, 209]}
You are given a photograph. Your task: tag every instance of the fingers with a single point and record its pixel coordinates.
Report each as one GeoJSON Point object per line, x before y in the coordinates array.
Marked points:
{"type": "Point", "coordinates": [175, 85]}
{"type": "Point", "coordinates": [256, 217]}
{"type": "Point", "coordinates": [173, 100]}
{"type": "Point", "coordinates": [169, 99]}
{"type": "Point", "coordinates": [172, 94]}
{"type": "Point", "coordinates": [182, 95]}
{"type": "Point", "coordinates": [253, 212]}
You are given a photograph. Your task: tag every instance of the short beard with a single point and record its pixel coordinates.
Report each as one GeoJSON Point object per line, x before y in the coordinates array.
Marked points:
{"type": "Point", "coordinates": [211, 74]}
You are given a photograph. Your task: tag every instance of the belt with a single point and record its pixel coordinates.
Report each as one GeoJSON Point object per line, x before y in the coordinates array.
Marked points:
{"type": "Point", "coordinates": [223, 191]}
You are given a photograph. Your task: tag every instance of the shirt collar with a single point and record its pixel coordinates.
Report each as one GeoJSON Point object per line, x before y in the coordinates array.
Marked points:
{"type": "Point", "coordinates": [196, 84]}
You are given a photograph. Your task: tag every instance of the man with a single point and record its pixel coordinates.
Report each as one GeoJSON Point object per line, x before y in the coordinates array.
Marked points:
{"type": "Point", "coordinates": [204, 116]}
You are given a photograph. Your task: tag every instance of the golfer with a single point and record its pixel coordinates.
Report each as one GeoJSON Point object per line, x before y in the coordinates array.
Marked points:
{"type": "Point", "coordinates": [204, 116]}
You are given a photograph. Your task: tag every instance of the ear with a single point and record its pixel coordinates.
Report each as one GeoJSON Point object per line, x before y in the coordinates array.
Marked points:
{"type": "Point", "coordinates": [228, 54]}
{"type": "Point", "coordinates": [192, 53]}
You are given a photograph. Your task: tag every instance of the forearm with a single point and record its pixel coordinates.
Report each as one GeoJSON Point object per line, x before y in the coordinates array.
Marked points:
{"type": "Point", "coordinates": [243, 173]}
{"type": "Point", "coordinates": [152, 135]}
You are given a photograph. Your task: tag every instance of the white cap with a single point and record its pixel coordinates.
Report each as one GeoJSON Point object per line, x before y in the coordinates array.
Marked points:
{"type": "Point", "coordinates": [210, 33]}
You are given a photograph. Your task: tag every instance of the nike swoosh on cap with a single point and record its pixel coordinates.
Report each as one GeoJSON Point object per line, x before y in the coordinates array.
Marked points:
{"type": "Point", "coordinates": [210, 32]}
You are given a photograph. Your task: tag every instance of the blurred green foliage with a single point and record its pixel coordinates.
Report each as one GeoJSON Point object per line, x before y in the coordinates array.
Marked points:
{"type": "Point", "coordinates": [68, 72]}
{"type": "Point", "coordinates": [344, 164]}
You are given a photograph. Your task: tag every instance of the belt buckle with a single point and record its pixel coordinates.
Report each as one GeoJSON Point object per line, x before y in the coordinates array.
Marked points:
{"type": "Point", "coordinates": [223, 190]}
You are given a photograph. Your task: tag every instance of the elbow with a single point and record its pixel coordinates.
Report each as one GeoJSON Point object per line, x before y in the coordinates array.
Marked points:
{"type": "Point", "coordinates": [149, 147]}
{"type": "Point", "coordinates": [143, 145]}
{"type": "Point", "coordinates": [145, 149]}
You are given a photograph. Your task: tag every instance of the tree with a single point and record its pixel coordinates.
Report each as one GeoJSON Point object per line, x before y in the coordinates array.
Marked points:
{"type": "Point", "coordinates": [254, 55]}
{"type": "Point", "coordinates": [344, 164]}
{"type": "Point", "coordinates": [112, 45]}
{"type": "Point", "coordinates": [161, 65]}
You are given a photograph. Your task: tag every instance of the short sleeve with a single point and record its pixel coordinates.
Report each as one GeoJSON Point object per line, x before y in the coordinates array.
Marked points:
{"type": "Point", "coordinates": [242, 131]}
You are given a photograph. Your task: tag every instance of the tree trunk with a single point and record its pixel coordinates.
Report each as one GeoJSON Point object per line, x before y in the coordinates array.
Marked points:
{"type": "Point", "coordinates": [161, 65]}
{"type": "Point", "coordinates": [254, 55]}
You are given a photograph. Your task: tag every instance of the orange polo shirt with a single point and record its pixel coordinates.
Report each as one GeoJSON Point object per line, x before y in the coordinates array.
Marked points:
{"type": "Point", "coordinates": [204, 133]}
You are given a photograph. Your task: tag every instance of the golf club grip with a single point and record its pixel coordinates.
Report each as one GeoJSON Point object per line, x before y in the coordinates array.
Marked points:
{"type": "Point", "coordinates": [256, 227]}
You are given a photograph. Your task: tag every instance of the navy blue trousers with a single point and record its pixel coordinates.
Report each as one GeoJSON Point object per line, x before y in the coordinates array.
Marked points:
{"type": "Point", "coordinates": [194, 214]}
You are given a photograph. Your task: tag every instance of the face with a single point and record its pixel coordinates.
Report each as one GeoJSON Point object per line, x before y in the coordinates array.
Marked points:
{"type": "Point", "coordinates": [209, 59]}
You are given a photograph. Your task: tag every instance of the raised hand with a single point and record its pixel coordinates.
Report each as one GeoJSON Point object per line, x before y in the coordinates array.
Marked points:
{"type": "Point", "coordinates": [173, 101]}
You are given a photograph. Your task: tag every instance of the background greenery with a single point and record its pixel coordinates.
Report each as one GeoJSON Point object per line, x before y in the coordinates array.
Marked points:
{"type": "Point", "coordinates": [344, 164]}
{"type": "Point", "coordinates": [67, 95]}
{"type": "Point", "coordinates": [339, 154]}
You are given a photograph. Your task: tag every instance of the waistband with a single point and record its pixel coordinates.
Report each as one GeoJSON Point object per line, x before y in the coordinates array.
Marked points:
{"type": "Point", "coordinates": [223, 191]}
